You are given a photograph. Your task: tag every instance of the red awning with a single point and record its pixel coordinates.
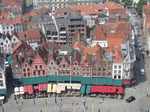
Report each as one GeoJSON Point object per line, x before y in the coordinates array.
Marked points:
{"type": "Point", "coordinates": [126, 82]}
{"type": "Point", "coordinates": [36, 87]}
{"type": "Point", "coordinates": [133, 81]}
{"type": "Point", "coordinates": [120, 90]}
{"type": "Point", "coordinates": [26, 89]}
{"type": "Point", "coordinates": [40, 87]}
{"type": "Point", "coordinates": [107, 89]}
{"type": "Point", "coordinates": [45, 86]}
{"type": "Point", "coordinates": [30, 88]}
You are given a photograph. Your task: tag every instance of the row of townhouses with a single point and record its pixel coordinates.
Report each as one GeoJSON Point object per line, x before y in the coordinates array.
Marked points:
{"type": "Point", "coordinates": [75, 50]}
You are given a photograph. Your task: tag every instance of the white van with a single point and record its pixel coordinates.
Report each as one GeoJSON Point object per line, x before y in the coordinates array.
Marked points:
{"type": "Point", "coordinates": [142, 72]}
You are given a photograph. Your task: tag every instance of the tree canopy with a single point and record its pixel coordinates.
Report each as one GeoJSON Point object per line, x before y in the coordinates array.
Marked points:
{"type": "Point", "coordinates": [140, 5]}
{"type": "Point", "coordinates": [128, 2]}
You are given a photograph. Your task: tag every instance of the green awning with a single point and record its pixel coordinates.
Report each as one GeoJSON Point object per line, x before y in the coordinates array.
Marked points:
{"type": "Point", "coordinates": [2, 91]}
{"type": "Point", "coordinates": [117, 82]}
{"type": "Point", "coordinates": [86, 80]}
{"type": "Point", "coordinates": [88, 89]}
{"type": "Point", "coordinates": [109, 81]}
{"type": "Point", "coordinates": [82, 89]}
{"type": "Point", "coordinates": [9, 59]}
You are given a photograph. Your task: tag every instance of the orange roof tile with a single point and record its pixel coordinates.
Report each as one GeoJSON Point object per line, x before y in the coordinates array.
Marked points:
{"type": "Point", "coordinates": [89, 50]}
{"type": "Point", "coordinates": [30, 34]}
{"type": "Point", "coordinates": [118, 57]}
{"type": "Point", "coordinates": [12, 4]}
{"type": "Point", "coordinates": [12, 21]}
{"type": "Point", "coordinates": [86, 58]}
{"type": "Point", "coordinates": [100, 32]}
{"type": "Point", "coordinates": [17, 45]}
{"type": "Point", "coordinates": [64, 11]}
{"type": "Point", "coordinates": [115, 40]}
{"type": "Point", "coordinates": [89, 9]}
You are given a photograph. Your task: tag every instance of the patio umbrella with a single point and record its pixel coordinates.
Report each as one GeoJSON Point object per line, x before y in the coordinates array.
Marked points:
{"type": "Point", "coordinates": [99, 110]}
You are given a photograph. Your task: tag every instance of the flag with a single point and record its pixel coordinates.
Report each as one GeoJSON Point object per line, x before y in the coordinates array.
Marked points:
{"type": "Point", "coordinates": [55, 100]}
{"type": "Point", "coordinates": [34, 101]}
{"type": "Point", "coordinates": [92, 107]}
{"type": "Point", "coordinates": [45, 102]}
{"type": "Point", "coordinates": [99, 110]}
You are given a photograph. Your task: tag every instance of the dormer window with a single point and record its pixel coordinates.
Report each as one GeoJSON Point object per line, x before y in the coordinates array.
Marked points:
{"type": "Point", "coordinates": [65, 13]}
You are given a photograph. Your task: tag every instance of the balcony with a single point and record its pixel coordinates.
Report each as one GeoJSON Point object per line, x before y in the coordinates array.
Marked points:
{"type": "Point", "coordinates": [62, 36]}
{"type": "Point", "coordinates": [62, 32]}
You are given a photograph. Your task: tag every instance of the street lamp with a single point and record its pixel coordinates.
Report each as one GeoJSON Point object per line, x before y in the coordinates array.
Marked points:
{"type": "Point", "coordinates": [60, 105]}
{"type": "Point", "coordinates": [19, 108]}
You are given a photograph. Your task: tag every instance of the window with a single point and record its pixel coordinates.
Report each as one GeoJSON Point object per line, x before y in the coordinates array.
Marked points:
{"type": "Point", "coordinates": [38, 72]}
{"type": "Point", "coordinates": [114, 76]}
{"type": "Point", "coordinates": [1, 83]}
{"type": "Point", "coordinates": [25, 65]}
{"type": "Point", "coordinates": [64, 65]}
{"type": "Point", "coordinates": [115, 66]}
{"type": "Point", "coordinates": [115, 71]}
{"type": "Point", "coordinates": [36, 67]}
{"type": "Point", "coordinates": [0, 75]}
{"type": "Point", "coordinates": [40, 66]}
{"type": "Point", "coordinates": [28, 69]}
{"type": "Point", "coordinates": [119, 66]}
{"type": "Point", "coordinates": [28, 74]}
{"type": "Point", "coordinates": [24, 70]}
{"type": "Point", "coordinates": [119, 71]}
{"type": "Point", "coordinates": [24, 74]}
{"type": "Point", "coordinates": [43, 72]}
{"type": "Point", "coordinates": [34, 73]}
{"type": "Point", "coordinates": [119, 76]}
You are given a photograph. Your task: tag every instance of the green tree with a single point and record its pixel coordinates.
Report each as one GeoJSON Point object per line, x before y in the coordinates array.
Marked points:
{"type": "Point", "coordinates": [128, 2]}
{"type": "Point", "coordinates": [140, 5]}
{"type": "Point", "coordinates": [117, 1]}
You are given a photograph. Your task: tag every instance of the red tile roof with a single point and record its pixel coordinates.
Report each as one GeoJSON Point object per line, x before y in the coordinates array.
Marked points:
{"type": "Point", "coordinates": [17, 45]}
{"type": "Point", "coordinates": [12, 21]}
{"type": "Point", "coordinates": [115, 40]}
{"type": "Point", "coordinates": [64, 11]}
{"type": "Point", "coordinates": [118, 57]}
{"type": "Point", "coordinates": [114, 8]}
{"type": "Point", "coordinates": [100, 32]}
{"type": "Point", "coordinates": [89, 9]}
{"type": "Point", "coordinates": [86, 58]}
{"type": "Point", "coordinates": [30, 34]}
{"type": "Point", "coordinates": [89, 50]}
{"type": "Point", "coordinates": [11, 3]}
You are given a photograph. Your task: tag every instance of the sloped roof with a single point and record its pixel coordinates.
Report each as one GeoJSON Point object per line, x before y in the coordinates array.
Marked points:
{"type": "Point", "coordinates": [17, 45]}
{"type": "Point", "coordinates": [115, 39]}
{"type": "Point", "coordinates": [64, 11]}
{"type": "Point", "coordinates": [118, 56]}
{"type": "Point", "coordinates": [87, 49]}
{"type": "Point", "coordinates": [77, 56]}
{"type": "Point", "coordinates": [100, 32]}
{"type": "Point", "coordinates": [30, 34]}
{"type": "Point", "coordinates": [86, 57]}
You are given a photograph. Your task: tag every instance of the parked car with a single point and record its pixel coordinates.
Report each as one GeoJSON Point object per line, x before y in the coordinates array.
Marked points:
{"type": "Point", "coordinates": [142, 72]}
{"type": "Point", "coordinates": [130, 99]}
